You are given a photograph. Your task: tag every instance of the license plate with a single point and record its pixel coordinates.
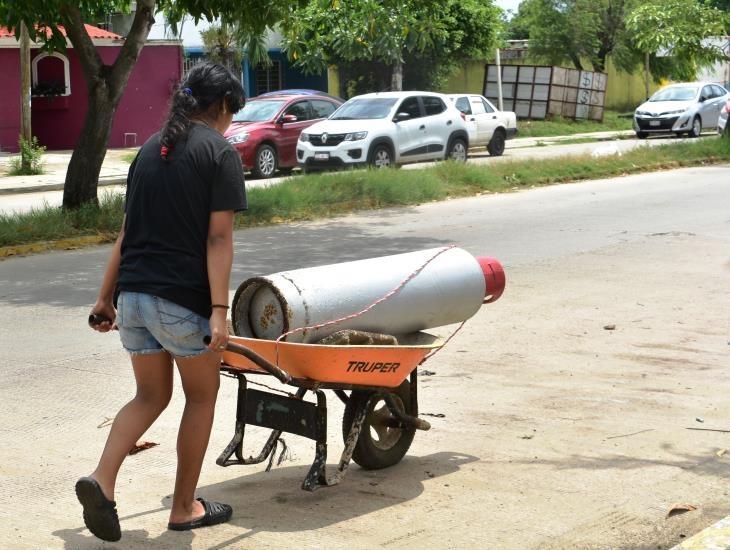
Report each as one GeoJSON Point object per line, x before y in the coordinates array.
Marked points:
{"type": "Point", "coordinates": [654, 123]}
{"type": "Point", "coordinates": [321, 156]}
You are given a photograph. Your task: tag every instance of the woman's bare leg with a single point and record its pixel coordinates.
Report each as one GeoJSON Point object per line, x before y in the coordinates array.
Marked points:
{"type": "Point", "coordinates": [153, 374]}
{"type": "Point", "coordinates": [200, 380]}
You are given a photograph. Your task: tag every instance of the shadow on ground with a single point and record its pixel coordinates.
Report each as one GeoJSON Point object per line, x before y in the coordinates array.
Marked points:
{"type": "Point", "coordinates": [274, 502]}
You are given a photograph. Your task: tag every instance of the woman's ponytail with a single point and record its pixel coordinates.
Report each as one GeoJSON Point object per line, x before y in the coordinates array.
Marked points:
{"type": "Point", "coordinates": [206, 84]}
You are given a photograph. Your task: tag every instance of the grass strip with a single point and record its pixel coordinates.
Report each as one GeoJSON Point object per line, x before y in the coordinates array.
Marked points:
{"type": "Point", "coordinates": [324, 195]}
{"type": "Point", "coordinates": [559, 126]}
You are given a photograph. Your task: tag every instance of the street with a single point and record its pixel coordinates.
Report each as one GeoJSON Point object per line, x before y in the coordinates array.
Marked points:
{"type": "Point", "coordinates": [557, 430]}
{"type": "Point", "coordinates": [518, 149]}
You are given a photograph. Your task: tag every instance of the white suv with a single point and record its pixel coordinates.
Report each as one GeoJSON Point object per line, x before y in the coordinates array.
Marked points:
{"type": "Point", "coordinates": [383, 129]}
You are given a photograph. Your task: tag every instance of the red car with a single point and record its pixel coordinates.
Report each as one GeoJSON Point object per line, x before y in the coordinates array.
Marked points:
{"type": "Point", "coordinates": [266, 130]}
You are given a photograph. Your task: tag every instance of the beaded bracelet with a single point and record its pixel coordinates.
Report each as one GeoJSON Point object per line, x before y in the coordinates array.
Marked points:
{"type": "Point", "coordinates": [219, 305]}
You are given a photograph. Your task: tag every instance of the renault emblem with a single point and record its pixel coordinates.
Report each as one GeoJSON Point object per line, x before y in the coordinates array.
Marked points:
{"type": "Point", "coordinates": [324, 137]}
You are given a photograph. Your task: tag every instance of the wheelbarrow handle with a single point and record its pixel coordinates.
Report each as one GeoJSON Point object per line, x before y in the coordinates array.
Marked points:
{"type": "Point", "coordinates": [255, 358]}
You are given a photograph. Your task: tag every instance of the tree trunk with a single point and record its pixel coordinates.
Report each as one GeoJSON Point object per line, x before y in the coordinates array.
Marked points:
{"type": "Point", "coordinates": [105, 85]}
{"type": "Point", "coordinates": [646, 74]}
{"type": "Point", "coordinates": [25, 118]}
{"type": "Point", "coordinates": [396, 80]}
{"type": "Point", "coordinates": [82, 175]}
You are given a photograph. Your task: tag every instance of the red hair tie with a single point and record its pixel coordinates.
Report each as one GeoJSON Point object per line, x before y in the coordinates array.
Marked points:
{"type": "Point", "coordinates": [164, 152]}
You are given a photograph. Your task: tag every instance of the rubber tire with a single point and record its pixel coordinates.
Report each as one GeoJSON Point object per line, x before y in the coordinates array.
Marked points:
{"type": "Point", "coordinates": [256, 170]}
{"type": "Point", "coordinates": [286, 171]}
{"type": "Point", "coordinates": [452, 146]}
{"type": "Point", "coordinates": [642, 135]}
{"type": "Point", "coordinates": [496, 144]}
{"type": "Point", "coordinates": [366, 454]}
{"type": "Point", "coordinates": [373, 153]}
{"type": "Point", "coordinates": [692, 133]}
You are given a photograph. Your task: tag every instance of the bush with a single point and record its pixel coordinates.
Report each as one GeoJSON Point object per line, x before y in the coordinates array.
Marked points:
{"type": "Point", "coordinates": [32, 153]}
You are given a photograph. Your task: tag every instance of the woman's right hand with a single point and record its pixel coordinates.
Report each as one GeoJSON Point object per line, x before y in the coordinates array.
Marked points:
{"type": "Point", "coordinates": [106, 310]}
{"type": "Point", "coordinates": [218, 330]}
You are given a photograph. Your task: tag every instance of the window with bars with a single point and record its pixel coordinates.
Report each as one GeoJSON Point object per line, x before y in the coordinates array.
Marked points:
{"type": "Point", "coordinates": [268, 78]}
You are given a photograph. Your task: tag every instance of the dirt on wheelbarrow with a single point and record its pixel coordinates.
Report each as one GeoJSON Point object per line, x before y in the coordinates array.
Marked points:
{"type": "Point", "coordinates": [549, 430]}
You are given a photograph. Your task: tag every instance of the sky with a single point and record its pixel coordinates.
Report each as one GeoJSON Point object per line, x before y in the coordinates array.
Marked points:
{"type": "Point", "coordinates": [508, 4]}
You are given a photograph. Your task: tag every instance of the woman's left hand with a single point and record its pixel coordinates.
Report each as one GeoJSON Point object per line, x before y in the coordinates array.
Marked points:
{"type": "Point", "coordinates": [218, 330]}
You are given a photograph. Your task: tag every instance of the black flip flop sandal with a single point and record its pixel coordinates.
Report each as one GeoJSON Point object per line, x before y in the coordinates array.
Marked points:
{"type": "Point", "coordinates": [215, 513]}
{"type": "Point", "coordinates": [100, 513]}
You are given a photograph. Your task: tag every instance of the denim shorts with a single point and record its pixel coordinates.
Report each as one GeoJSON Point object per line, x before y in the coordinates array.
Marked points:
{"type": "Point", "coordinates": [149, 324]}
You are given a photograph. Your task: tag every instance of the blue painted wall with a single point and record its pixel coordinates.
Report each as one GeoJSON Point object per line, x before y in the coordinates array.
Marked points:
{"type": "Point", "coordinates": [291, 77]}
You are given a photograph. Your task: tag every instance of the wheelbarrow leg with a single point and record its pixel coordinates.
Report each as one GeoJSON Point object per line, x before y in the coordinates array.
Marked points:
{"type": "Point", "coordinates": [316, 477]}
{"type": "Point", "coordinates": [236, 444]}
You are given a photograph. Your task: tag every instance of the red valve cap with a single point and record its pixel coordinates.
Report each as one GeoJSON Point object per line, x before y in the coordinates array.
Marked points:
{"type": "Point", "coordinates": [494, 277]}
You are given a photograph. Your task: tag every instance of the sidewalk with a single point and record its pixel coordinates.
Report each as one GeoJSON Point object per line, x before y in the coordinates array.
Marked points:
{"type": "Point", "coordinates": [113, 172]}
{"type": "Point", "coordinates": [554, 140]}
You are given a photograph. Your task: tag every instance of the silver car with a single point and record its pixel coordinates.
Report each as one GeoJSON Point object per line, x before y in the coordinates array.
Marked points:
{"type": "Point", "coordinates": [723, 128]}
{"type": "Point", "coordinates": [681, 108]}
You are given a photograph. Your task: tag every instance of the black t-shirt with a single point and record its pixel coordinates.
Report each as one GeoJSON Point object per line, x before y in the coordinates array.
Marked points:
{"type": "Point", "coordinates": [168, 206]}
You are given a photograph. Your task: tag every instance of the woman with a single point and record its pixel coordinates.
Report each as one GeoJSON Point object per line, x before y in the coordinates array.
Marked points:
{"type": "Point", "coordinates": [171, 266]}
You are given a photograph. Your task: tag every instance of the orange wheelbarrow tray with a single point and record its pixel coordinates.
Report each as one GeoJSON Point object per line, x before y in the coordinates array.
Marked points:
{"type": "Point", "coordinates": [381, 408]}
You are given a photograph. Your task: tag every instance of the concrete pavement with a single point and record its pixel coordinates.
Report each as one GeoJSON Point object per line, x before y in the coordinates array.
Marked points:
{"type": "Point", "coordinates": [555, 434]}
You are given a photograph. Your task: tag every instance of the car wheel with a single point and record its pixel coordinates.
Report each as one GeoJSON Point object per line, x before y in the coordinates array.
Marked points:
{"type": "Point", "coordinates": [696, 128]}
{"type": "Point", "coordinates": [642, 135]}
{"type": "Point", "coordinates": [265, 163]}
{"type": "Point", "coordinates": [381, 157]}
{"type": "Point", "coordinates": [457, 150]}
{"type": "Point", "coordinates": [496, 144]}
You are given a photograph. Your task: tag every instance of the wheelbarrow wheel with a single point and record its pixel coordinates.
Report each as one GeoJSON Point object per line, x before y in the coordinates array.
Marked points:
{"type": "Point", "coordinates": [380, 443]}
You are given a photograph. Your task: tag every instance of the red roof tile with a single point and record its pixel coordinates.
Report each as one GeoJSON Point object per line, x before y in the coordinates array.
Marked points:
{"type": "Point", "coordinates": [94, 32]}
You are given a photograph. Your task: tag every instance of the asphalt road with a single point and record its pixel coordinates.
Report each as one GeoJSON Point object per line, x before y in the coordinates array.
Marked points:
{"type": "Point", "coordinates": [534, 390]}
{"type": "Point", "coordinates": [25, 201]}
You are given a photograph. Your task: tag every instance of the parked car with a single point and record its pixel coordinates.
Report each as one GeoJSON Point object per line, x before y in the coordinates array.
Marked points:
{"type": "Point", "coordinates": [487, 126]}
{"type": "Point", "coordinates": [386, 129]}
{"type": "Point", "coordinates": [722, 126]}
{"type": "Point", "coordinates": [685, 108]}
{"type": "Point", "coordinates": [266, 130]}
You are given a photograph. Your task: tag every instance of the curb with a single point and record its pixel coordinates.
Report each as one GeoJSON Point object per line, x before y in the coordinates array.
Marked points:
{"type": "Point", "coordinates": [45, 246]}
{"type": "Point", "coordinates": [56, 186]}
{"type": "Point", "coordinates": [715, 537]}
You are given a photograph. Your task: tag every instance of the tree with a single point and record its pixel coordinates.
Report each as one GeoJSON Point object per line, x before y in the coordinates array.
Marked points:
{"type": "Point", "coordinates": [386, 33]}
{"type": "Point", "coordinates": [578, 31]}
{"type": "Point", "coordinates": [678, 29]}
{"type": "Point", "coordinates": [48, 20]}
{"type": "Point", "coordinates": [226, 44]}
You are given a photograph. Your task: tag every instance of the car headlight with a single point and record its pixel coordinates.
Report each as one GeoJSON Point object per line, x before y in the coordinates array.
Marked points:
{"type": "Point", "coordinates": [303, 136]}
{"type": "Point", "coordinates": [356, 136]}
{"type": "Point", "coordinates": [677, 112]}
{"type": "Point", "coordinates": [238, 138]}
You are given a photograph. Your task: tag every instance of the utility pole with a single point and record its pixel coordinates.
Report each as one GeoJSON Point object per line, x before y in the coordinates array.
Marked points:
{"type": "Point", "coordinates": [25, 128]}
{"type": "Point", "coordinates": [646, 74]}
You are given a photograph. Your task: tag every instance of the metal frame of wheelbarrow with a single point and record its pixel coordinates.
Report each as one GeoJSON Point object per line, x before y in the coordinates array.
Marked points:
{"type": "Point", "coordinates": [291, 414]}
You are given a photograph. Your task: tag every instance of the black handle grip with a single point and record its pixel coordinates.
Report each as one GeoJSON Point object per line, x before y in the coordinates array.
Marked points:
{"type": "Point", "coordinates": [255, 358]}
{"type": "Point", "coordinates": [96, 319]}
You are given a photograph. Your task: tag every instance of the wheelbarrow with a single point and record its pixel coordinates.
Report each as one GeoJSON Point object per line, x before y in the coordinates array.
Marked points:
{"type": "Point", "coordinates": [377, 384]}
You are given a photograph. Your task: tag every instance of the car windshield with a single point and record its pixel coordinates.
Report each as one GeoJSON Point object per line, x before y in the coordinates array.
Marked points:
{"type": "Point", "coordinates": [258, 111]}
{"type": "Point", "coordinates": [675, 93]}
{"type": "Point", "coordinates": [364, 109]}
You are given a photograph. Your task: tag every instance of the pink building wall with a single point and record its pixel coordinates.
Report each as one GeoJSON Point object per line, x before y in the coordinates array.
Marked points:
{"type": "Point", "coordinates": [9, 99]}
{"type": "Point", "coordinates": [58, 121]}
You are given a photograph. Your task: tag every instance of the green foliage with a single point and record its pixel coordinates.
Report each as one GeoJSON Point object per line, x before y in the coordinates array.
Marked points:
{"type": "Point", "coordinates": [30, 160]}
{"type": "Point", "coordinates": [428, 35]}
{"type": "Point", "coordinates": [577, 30]}
{"type": "Point", "coordinates": [677, 29]}
{"type": "Point", "coordinates": [44, 16]}
{"type": "Point", "coordinates": [558, 126]}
